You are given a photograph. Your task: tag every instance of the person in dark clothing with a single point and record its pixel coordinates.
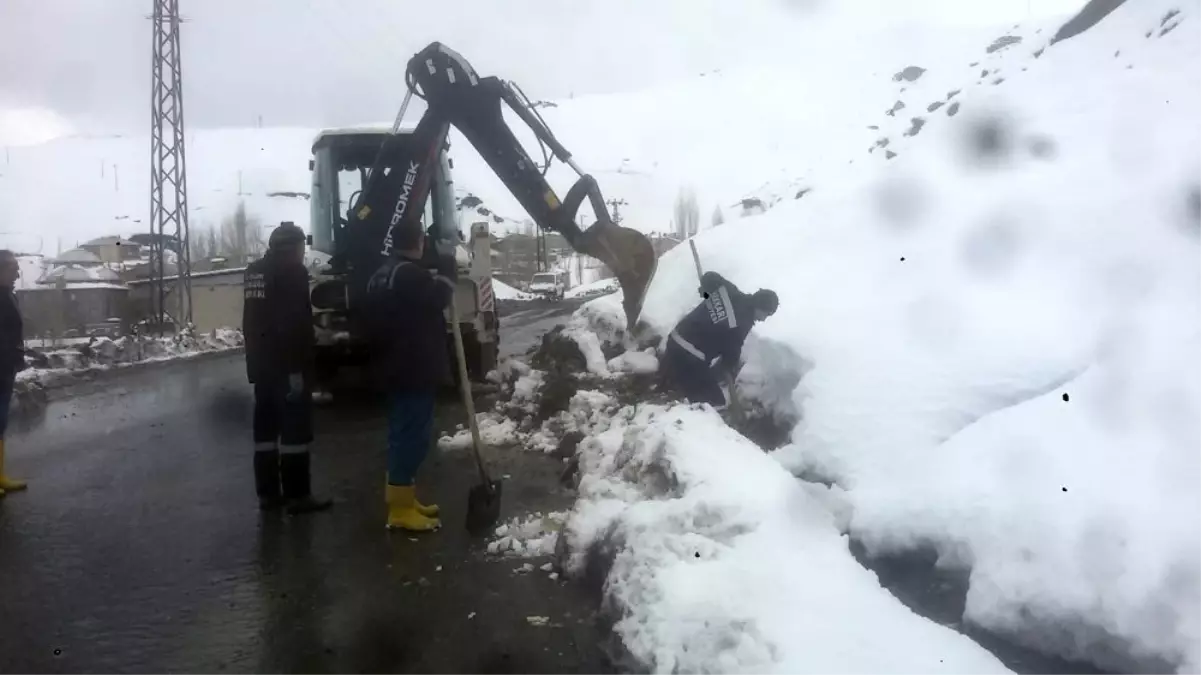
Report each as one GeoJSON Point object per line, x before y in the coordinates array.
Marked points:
{"type": "Point", "coordinates": [708, 340]}
{"type": "Point", "coordinates": [410, 359]}
{"type": "Point", "coordinates": [277, 320]}
{"type": "Point", "coordinates": [12, 354]}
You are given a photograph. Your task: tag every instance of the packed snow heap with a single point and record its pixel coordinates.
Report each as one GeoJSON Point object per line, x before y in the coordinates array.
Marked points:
{"type": "Point", "coordinates": [49, 364]}
{"type": "Point", "coordinates": [988, 344]}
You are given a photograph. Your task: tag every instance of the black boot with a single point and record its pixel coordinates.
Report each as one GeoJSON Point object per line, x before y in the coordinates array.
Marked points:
{"type": "Point", "coordinates": [294, 470]}
{"type": "Point", "coordinates": [266, 479]}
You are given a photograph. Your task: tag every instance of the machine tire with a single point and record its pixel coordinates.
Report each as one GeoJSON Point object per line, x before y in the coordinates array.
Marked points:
{"type": "Point", "coordinates": [471, 350]}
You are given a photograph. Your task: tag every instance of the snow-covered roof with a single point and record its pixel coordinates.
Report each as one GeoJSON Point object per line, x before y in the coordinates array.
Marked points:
{"type": "Point", "coordinates": [76, 286]}
{"type": "Point", "coordinates": [194, 275]}
{"type": "Point", "coordinates": [112, 240]}
{"type": "Point", "coordinates": [360, 131]}
{"type": "Point", "coordinates": [76, 255]}
{"type": "Point", "coordinates": [75, 274]}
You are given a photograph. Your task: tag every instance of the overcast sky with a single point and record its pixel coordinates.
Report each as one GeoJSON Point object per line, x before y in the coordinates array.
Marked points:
{"type": "Point", "coordinates": [333, 62]}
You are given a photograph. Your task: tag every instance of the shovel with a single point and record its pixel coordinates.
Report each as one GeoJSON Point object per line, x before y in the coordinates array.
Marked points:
{"type": "Point", "coordinates": [483, 500]}
{"type": "Point", "coordinates": [733, 407]}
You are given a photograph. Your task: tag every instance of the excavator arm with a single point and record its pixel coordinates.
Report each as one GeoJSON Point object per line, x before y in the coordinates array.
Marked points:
{"type": "Point", "coordinates": [456, 96]}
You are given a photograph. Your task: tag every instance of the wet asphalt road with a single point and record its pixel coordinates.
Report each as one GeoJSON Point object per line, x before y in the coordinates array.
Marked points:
{"type": "Point", "coordinates": [523, 323]}
{"type": "Point", "coordinates": [139, 548]}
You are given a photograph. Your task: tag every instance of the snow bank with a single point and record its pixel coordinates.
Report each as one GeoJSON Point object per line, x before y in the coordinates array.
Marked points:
{"type": "Point", "coordinates": [711, 557]}
{"type": "Point", "coordinates": [531, 536]}
{"type": "Point", "coordinates": [643, 362]}
{"type": "Point", "coordinates": [506, 292]}
{"type": "Point", "coordinates": [715, 560]}
{"type": "Point", "coordinates": [599, 287]}
{"type": "Point", "coordinates": [495, 431]}
{"type": "Point", "coordinates": [96, 354]}
{"type": "Point", "coordinates": [1044, 240]}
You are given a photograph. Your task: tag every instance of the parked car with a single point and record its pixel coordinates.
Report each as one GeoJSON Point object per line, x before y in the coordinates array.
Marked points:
{"type": "Point", "coordinates": [550, 285]}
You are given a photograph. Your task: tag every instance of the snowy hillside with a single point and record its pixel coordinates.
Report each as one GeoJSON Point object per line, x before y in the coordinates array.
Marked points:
{"type": "Point", "coordinates": [771, 115]}
{"type": "Point", "coordinates": [1003, 324]}
{"type": "Point", "coordinates": [43, 186]}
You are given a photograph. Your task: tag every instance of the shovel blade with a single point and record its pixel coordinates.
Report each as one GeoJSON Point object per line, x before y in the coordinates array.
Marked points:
{"type": "Point", "coordinates": [483, 507]}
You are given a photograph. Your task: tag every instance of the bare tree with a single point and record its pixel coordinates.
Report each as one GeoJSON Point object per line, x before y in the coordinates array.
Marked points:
{"type": "Point", "coordinates": [199, 242]}
{"type": "Point", "coordinates": [686, 214]}
{"type": "Point", "coordinates": [718, 219]}
{"type": "Point", "coordinates": [210, 240]}
{"type": "Point", "coordinates": [241, 236]}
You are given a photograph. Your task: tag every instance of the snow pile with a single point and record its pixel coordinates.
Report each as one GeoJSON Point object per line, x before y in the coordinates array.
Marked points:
{"type": "Point", "coordinates": [599, 287]}
{"type": "Point", "coordinates": [532, 536]}
{"type": "Point", "coordinates": [527, 386]}
{"type": "Point", "coordinates": [686, 524]}
{"type": "Point", "coordinates": [1042, 241]}
{"type": "Point", "coordinates": [689, 526]}
{"type": "Point", "coordinates": [495, 431]}
{"type": "Point", "coordinates": [103, 353]}
{"type": "Point", "coordinates": [585, 410]}
{"type": "Point", "coordinates": [506, 292]}
{"type": "Point", "coordinates": [643, 362]}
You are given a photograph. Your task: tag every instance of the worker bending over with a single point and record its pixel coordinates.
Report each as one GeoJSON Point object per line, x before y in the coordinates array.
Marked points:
{"type": "Point", "coordinates": [707, 342]}
{"type": "Point", "coordinates": [406, 301]}
{"type": "Point", "coordinates": [277, 320]}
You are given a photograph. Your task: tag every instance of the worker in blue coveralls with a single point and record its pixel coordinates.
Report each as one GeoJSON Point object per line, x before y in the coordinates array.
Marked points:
{"type": "Point", "coordinates": [707, 342]}
{"type": "Point", "coordinates": [407, 298]}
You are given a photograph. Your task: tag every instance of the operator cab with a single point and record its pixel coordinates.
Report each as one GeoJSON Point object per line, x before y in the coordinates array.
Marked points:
{"type": "Point", "coordinates": [341, 161]}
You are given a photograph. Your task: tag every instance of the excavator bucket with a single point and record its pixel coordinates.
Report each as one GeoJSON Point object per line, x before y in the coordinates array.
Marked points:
{"type": "Point", "coordinates": [632, 258]}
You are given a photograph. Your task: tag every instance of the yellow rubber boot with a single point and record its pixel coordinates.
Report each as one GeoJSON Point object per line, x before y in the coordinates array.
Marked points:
{"type": "Point", "coordinates": [427, 510]}
{"type": "Point", "coordinates": [403, 513]}
{"type": "Point", "coordinates": [8, 484]}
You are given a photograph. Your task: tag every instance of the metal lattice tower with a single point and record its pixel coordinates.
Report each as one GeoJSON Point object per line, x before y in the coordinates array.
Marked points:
{"type": "Point", "coordinates": [168, 176]}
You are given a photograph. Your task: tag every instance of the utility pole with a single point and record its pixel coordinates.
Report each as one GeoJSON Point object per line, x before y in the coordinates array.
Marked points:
{"type": "Point", "coordinates": [540, 250]}
{"type": "Point", "coordinates": [168, 174]}
{"type": "Point", "coordinates": [617, 204]}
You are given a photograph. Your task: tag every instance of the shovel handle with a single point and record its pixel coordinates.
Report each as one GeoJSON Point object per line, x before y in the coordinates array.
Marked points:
{"type": "Point", "coordinates": [465, 390]}
{"type": "Point", "coordinates": [730, 378]}
{"type": "Point", "coordinates": [696, 258]}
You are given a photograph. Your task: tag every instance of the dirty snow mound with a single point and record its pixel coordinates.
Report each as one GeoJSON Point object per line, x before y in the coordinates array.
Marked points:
{"type": "Point", "coordinates": [506, 292]}
{"type": "Point", "coordinates": [643, 362]}
{"type": "Point", "coordinates": [49, 365]}
{"type": "Point", "coordinates": [495, 431]}
{"type": "Point", "coordinates": [601, 287]}
{"type": "Point", "coordinates": [531, 536]}
{"type": "Point", "coordinates": [687, 526]}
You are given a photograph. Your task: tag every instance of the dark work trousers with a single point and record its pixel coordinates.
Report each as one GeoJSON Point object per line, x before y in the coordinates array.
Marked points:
{"type": "Point", "coordinates": [7, 380]}
{"type": "Point", "coordinates": [410, 425]}
{"type": "Point", "coordinates": [283, 429]}
{"type": "Point", "coordinates": [692, 377]}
